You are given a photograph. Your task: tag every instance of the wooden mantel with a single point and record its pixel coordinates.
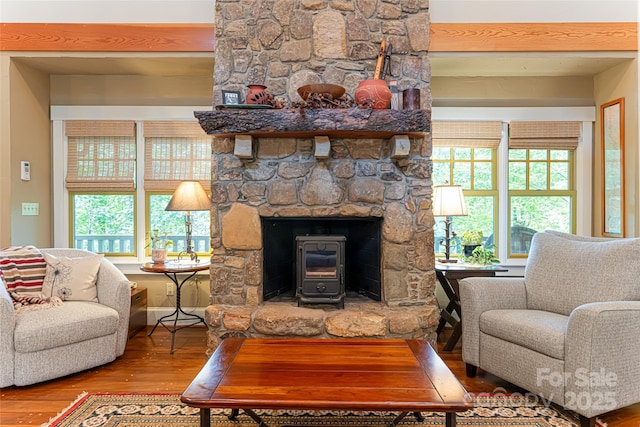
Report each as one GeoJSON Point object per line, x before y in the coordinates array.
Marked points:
{"type": "Point", "coordinates": [288, 123]}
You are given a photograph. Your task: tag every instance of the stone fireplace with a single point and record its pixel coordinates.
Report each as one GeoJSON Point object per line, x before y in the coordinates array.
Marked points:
{"type": "Point", "coordinates": [318, 169]}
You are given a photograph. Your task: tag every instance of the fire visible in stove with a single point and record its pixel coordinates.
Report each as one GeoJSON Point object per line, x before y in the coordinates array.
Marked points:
{"type": "Point", "coordinates": [320, 270]}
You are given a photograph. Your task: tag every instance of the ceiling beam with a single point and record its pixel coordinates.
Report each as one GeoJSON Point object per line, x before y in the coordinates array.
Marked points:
{"type": "Point", "coordinates": [445, 37]}
{"type": "Point", "coordinates": [107, 37]}
{"type": "Point", "coordinates": [534, 37]}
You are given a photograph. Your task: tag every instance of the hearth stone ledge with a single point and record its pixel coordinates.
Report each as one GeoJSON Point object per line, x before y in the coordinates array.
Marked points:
{"type": "Point", "coordinates": [358, 319]}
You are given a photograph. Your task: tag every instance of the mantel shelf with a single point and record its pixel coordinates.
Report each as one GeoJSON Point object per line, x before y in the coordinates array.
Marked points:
{"type": "Point", "coordinates": [343, 123]}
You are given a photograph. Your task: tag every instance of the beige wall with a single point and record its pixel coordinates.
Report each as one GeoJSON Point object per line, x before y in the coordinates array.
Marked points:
{"type": "Point", "coordinates": [619, 82]}
{"type": "Point", "coordinates": [130, 90]}
{"type": "Point", "coordinates": [5, 150]}
{"type": "Point", "coordinates": [511, 91]}
{"type": "Point", "coordinates": [30, 140]}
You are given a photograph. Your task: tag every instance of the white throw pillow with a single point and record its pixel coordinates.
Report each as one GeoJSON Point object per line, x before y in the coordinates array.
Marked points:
{"type": "Point", "coordinates": [72, 279]}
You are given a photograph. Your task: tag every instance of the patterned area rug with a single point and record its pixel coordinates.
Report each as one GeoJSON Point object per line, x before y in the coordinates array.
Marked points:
{"type": "Point", "coordinates": [146, 410]}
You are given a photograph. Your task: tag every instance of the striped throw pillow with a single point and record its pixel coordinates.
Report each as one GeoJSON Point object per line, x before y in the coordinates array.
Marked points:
{"type": "Point", "coordinates": [23, 268]}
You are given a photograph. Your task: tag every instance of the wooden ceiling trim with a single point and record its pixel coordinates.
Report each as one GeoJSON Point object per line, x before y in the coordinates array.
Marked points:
{"type": "Point", "coordinates": [107, 37]}
{"type": "Point", "coordinates": [445, 37]}
{"type": "Point", "coordinates": [534, 37]}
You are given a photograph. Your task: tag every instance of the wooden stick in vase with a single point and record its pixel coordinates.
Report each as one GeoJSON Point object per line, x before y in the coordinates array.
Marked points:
{"type": "Point", "coordinates": [383, 48]}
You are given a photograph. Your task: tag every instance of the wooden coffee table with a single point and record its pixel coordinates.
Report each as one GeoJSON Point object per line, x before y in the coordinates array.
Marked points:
{"type": "Point", "coordinates": [326, 374]}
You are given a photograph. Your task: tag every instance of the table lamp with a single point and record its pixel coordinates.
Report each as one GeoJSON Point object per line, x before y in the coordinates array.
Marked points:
{"type": "Point", "coordinates": [448, 201]}
{"type": "Point", "coordinates": [189, 196]}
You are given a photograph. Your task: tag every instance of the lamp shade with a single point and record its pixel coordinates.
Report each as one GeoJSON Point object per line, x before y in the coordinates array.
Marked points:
{"type": "Point", "coordinates": [448, 200]}
{"type": "Point", "coordinates": [189, 196]}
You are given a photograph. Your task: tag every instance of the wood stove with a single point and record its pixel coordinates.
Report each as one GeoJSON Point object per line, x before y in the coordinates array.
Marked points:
{"type": "Point", "coordinates": [320, 270]}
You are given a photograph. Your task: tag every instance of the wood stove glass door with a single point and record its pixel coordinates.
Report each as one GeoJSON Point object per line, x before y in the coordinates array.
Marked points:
{"type": "Point", "coordinates": [321, 264]}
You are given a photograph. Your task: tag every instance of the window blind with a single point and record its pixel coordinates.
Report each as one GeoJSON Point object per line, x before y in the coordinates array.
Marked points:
{"type": "Point", "coordinates": [544, 135]}
{"type": "Point", "coordinates": [466, 134]}
{"type": "Point", "coordinates": [101, 155]}
{"type": "Point", "coordinates": [176, 151]}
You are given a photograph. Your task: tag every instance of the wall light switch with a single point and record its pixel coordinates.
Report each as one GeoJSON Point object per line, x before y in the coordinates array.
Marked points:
{"type": "Point", "coordinates": [30, 209]}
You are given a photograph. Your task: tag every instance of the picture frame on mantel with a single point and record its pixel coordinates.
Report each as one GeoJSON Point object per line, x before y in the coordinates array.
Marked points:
{"type": "Point", "coordinates": [612, 143]}
{"type": "Point", "coordinates": [230, 97]}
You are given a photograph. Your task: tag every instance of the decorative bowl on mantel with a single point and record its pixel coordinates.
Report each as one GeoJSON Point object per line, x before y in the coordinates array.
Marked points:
{"type": "Point", "coordinates": [321, 88]}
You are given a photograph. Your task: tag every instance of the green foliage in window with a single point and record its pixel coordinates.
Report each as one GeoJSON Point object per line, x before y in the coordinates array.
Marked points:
{"type": "Point", "coordinates": [483, 255]}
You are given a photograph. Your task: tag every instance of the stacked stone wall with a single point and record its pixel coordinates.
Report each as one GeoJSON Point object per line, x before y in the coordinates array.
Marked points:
{"type": "Point", "coordinates": [286, 44]}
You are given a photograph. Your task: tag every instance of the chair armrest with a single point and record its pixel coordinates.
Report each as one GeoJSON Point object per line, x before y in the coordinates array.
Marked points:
{"type": "Point", "coordinates": [7, 325]}
{"type": "Point", "coordinates": [480, 294]}
{"type": "Point", "coordinates": [114, 291]}
{"type": "Point", "coordinates": [602, 357]}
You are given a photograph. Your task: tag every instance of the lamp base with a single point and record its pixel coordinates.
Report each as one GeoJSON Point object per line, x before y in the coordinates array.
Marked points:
{"type": "Point", "coordinates": [192, 256]}
{"type": "Point", "coordinates": [447, 261]}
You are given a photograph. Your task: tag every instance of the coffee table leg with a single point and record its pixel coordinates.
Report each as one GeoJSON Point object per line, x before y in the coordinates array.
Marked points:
{"type": "Point", "coordinates": [234, 414]}
{"type": "Point", "coordinates": [255, 417]}
{"type": "Point", "coordinates": [450, 418]}
{"type": "Point", "coordinates": [205, 417]}
{"type": "Point", "coordinates": [399, 418]}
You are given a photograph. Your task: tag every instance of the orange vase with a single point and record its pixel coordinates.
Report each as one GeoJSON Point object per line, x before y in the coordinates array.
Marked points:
{"type": "Point", "coordinates": [375, 91]}
{"type": "Point", "coordinates": [256, 94]}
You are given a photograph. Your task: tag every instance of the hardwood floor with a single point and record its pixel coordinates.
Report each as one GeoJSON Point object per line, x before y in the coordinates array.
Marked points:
{"type": "Point", "coordinates": [147, 366]}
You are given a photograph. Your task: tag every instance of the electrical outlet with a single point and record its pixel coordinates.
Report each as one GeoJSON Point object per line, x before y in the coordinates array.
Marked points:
{"type": "Point", "coordinates": [170, 289]}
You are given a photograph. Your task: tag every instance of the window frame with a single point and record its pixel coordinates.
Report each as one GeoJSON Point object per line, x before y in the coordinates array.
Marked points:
{"type": "Point", "coordinates": [582, 161]}
{"type": "Point", "coordinates": [548, 192]}
{"type": "Point", "coordinates": [61, 196]}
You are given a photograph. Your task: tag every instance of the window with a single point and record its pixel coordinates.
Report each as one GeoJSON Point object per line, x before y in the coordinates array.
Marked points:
{"type": "Point", "coordinates": [173, 223]}
{"type": "Point", "coordinates": [115, 178]}
{"type": "Point", "coordinates": [174, 152]}
{"type": "Point", "coordinates": [465, 153]}
{"type": "Point", "coordinates": [541, 184]}
{"type": "Point", "coordinates": [103, 222]}
{"type": "Point", "coordinates": [530, 180]}
{"type": "Point", "coordinates": [101, 161]}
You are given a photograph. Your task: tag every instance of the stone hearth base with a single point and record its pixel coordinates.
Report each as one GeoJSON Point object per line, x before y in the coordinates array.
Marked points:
{"type": "Point", "coordinates": [359, 318]}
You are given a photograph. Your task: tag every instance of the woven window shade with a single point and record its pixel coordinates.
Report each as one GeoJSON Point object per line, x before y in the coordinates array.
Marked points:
{"type": "Point", "coordinates": [101, 155]}
{"type": "Point", "coordinates": [173, 128]}
{"type": "Point", "coordinates": [176, 152]}
{"type": "Point", "coordinates": [466, 134]}
{"type": "Point", "coordinates": [544, 135]}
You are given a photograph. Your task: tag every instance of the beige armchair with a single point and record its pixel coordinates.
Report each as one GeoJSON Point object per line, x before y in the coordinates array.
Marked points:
{"type": "Point", "coordinates": [40, 345]}
{"type": "Point", "coordinates": [569, 330]}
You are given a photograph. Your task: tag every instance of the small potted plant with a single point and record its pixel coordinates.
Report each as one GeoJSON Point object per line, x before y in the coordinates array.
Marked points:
{"type": "Point", "coordinates": [470, 240]}
{"type": "Point", "coordinates": [158, 242]}
{"type": "Point", "coordinates": [482, 256]}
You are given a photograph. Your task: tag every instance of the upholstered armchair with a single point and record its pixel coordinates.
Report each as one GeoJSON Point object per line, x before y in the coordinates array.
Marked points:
{"type": "Point", "coordinates": [39, 345]}
{"type": "Point", "coordinates": [569, 330]}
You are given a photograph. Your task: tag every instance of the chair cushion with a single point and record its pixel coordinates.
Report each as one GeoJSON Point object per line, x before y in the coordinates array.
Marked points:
{"type": "Point", "coordinates": [562, 273]}
{"type": "Point", "coordinates": [540, 331]}
{"type": "Point", "coordinates": [72, 279]}
{"type": "Point", "coordinates": [73, 322]}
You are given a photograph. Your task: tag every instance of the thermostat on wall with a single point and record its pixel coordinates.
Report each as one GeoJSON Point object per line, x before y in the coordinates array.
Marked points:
{"type": "Point", "coordinates": [25, 170]}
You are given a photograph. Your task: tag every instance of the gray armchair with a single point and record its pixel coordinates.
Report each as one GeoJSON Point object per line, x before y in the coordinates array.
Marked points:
{"type": "Point", "coordinates": [41, 345]}
{"type": "Point", "coordinates": [569, 330]}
